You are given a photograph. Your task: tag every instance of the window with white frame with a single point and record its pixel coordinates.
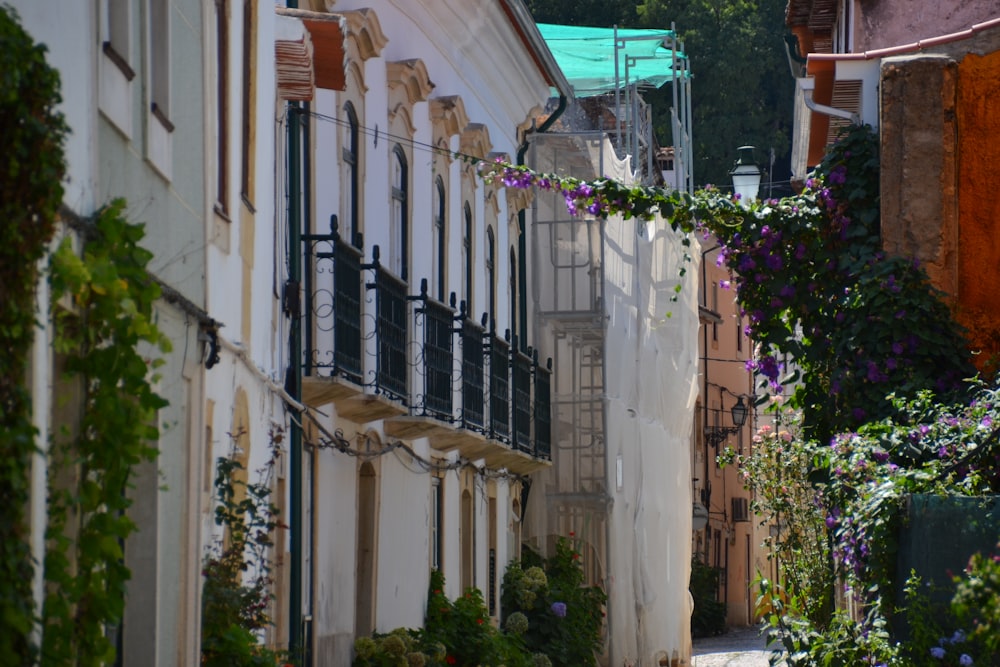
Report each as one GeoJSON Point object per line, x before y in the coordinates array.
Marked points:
{"type": "Point", "coordinates": [159, 61]}
{"type": "Point", "coordinates": [491, 276]}
{"type": "Point", "coordinates": [400, 219]}
{"type": "Point", "coordinates": [440, 238]}
{"type": "Point", "coordinates": [467, 257]}
{"type": "Point", "coordinates": [350, 174]}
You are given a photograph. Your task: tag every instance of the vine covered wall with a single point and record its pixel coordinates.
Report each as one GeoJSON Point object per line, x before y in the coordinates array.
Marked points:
{"type": "Point", "coordinates": [32, 167]}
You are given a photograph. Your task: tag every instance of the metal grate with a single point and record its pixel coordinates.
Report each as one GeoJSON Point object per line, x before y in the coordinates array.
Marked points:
{"type": "Point", "coordinates": [499, 389]}
{"type": "Point", "coordinates": [390, 332]}
{"type": "Point", "coordinates": [438, 358]}
{"type": "Point", "coordinates": [543, 411]}
{"type": "Point", "coordinates": [473, 363]}
{"type": "Point", "coordinates": [333, 309]}
{"type": "Point", "coordinates": [521, 372]}
{"type": "Point", "coordinates": [347, 311]}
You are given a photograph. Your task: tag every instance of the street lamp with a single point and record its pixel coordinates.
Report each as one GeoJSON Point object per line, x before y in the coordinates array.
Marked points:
{"type": "Point", "coordinates": [716, 435]}
{"type": "Point", "coordinates": [746, 175]}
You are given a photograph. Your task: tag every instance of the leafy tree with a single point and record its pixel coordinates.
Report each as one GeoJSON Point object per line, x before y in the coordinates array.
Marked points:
{"type": "Point", "coordinates": [741, 90]}
{"type": "Point", "coordinates": [741, 93]}
{"type": "Point", "coordinates": [597, 13]}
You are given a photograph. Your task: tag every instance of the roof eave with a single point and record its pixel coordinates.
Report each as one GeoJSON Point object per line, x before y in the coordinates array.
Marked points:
{"type": "Point", "coordinates": [527, 30]}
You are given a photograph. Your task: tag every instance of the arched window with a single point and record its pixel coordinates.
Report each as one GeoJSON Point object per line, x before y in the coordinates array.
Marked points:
{"type": "Point", "coordinates": [467, 257]}
{"type": "Point", "coordinates": [491, 275]}
{"type": "Point", "coordinates": [351, 175]}
{"type": "Point", "coordinates": [440, 258]}
{"type": "Point", "coordinates": [400, 215]}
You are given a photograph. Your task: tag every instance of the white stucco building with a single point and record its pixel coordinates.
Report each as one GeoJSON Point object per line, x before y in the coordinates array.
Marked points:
{"type": "Point", "coordinates": [426, 409]}
{"type": "Point", "coordinates": [133, 83]}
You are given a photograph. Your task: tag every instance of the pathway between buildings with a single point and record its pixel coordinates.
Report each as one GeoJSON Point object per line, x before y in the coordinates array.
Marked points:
{"type": "Point", "coordinates": [740, 647]}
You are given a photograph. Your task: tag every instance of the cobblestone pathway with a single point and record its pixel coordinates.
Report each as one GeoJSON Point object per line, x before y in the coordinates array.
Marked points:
{"type": "Point", "coordinates": [740, 647]}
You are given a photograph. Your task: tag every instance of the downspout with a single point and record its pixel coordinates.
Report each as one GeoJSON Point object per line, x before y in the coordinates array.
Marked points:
{"type": "Point", "coordinates": [808, 85]}
{"type": "Point", "coordinates": [522, 240]}
{"type": "Point", "coordinates": [293, 381]}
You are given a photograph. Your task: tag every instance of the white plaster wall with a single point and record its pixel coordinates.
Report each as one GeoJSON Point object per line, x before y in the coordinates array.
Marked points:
{"type": "Point", "coordinates": [69, 35]}
{"type": "Point", "coordinates": [404, 542]}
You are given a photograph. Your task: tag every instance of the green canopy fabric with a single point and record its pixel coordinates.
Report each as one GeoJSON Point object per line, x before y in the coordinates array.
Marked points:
{"type": "Point", "coordinates": [587, 57]}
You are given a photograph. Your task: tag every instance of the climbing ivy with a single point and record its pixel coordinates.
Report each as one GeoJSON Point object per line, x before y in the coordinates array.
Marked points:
{"type": "Point", "coordinates": [105, 335]}
{"type": "Point", "coordinates": [31, 171]}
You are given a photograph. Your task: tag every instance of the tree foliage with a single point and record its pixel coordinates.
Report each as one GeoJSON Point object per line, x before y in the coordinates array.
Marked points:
{"type": "Point", "coordinates": [32, 166]}
{"type": "Point", "coordinates": [741, 93]}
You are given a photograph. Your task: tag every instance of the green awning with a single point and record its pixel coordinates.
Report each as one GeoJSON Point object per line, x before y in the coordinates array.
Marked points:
{"type": "Point", "coordinates": [587, 57]}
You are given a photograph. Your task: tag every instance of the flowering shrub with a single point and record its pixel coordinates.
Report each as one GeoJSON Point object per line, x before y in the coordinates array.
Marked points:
{"type": "Point", "coordinates": [565, 618]}
{"type": "Point", "coordinates": [237, 593]}
{"type": "Point", "coordinates": [777, 470]}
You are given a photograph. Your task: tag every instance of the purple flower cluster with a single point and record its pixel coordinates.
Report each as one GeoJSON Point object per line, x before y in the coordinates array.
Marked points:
{"type": "Point", "coordinates": [559, 609]}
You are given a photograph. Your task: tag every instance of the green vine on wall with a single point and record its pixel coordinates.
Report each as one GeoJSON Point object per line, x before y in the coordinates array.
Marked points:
{"type": "Point", "coordinates": [105, 335]}
{"type": "Point", "coordinates": [31, 171]}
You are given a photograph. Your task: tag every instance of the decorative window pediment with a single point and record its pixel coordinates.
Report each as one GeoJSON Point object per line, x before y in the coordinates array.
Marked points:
{"type": "Point", "coordinates": [364, 34]}
{"type": "Point", "coordinates": [409, 77]}
{"type": "Point", "coordinates": [448, 113]}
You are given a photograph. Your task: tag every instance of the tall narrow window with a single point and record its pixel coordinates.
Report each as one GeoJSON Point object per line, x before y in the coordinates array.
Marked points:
{"type": "Point", "coordinates": [491, 275]}
{"type": "Point", "coordinates": [468, 527]}
{"type": "Point", "coordinates": [513, 292]}
{"type": "Point", "coordinates": [467, 257]}
{"type": "Point", "coordinates": [437, 507]}
{"type": "Point", "coordinates": [159, 66]}
{"type": "Point", "coordinates": [222, 106]}
{"type": "Point", "coordinates": [400, 224]}
{"type": "Point", "coordinates": [440, 259]}
{"type": "Point", "coordinates": [117, 44]}
{"type": "Point", "coordinates": [351, 175]}
{"type": "Point", "coordinates": [364, 602]}
{"type": "Point", "coordinates": [248, 98]}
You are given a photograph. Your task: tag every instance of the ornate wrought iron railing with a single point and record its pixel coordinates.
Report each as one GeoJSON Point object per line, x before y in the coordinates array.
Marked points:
{"type": "Point", "coordinates": [437, 363]}
{"type": "Point", "coordinates": [543, 410]}
{"type": "Point", "coordinates": [391, 331]}
{"type": "Point", "coordinates": [520, 365]}
{"type": "Point", "coordinates": [499, 356]}
{"type": "Point", "coordinates": [473, 373]}
{"type": "Point", "coordinates": [332, 286]}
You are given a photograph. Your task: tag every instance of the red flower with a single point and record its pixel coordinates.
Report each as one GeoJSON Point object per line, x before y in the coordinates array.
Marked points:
{"type": "Point", "coordinates": [571, 533]}
{"type": "Point", "coordinates": [479, 621]}
{"type": "Point", "coordinates": [451, 660]}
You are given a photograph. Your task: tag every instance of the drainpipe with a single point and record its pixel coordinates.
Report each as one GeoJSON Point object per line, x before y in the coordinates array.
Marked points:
{"type": "Point", "coordinates": [808, 85]}
{"type": "Point", "coordinates": [292, 307]}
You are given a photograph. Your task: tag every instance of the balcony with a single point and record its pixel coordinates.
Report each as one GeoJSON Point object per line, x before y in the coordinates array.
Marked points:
{"type": "Point", "coordinates": [335, 342]}
{"type": "Point", "coordinates": [425, 368]}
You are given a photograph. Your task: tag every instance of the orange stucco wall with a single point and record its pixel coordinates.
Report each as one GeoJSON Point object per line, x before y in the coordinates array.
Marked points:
{"type": "Point", "coordinates": [978, 306]}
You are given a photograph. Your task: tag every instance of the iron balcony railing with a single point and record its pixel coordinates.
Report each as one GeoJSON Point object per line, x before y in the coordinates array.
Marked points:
{"type": "Point", "coordinates": [505, 394]}
{"type": "Point", "coordinates": [499, 356]}
{"type": "Point", "coordinates": [543, 410]}
{"type": "Point", "coordinates": [473, 372]}
{"type": "Point", "coordinates": [437, 365]}
{"type": "Point", "coordinates": [333, 310]}
{"type": "Point", "coordinates": [391, 331]}
{"type": "Point", "coordinates": [520, 365]}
